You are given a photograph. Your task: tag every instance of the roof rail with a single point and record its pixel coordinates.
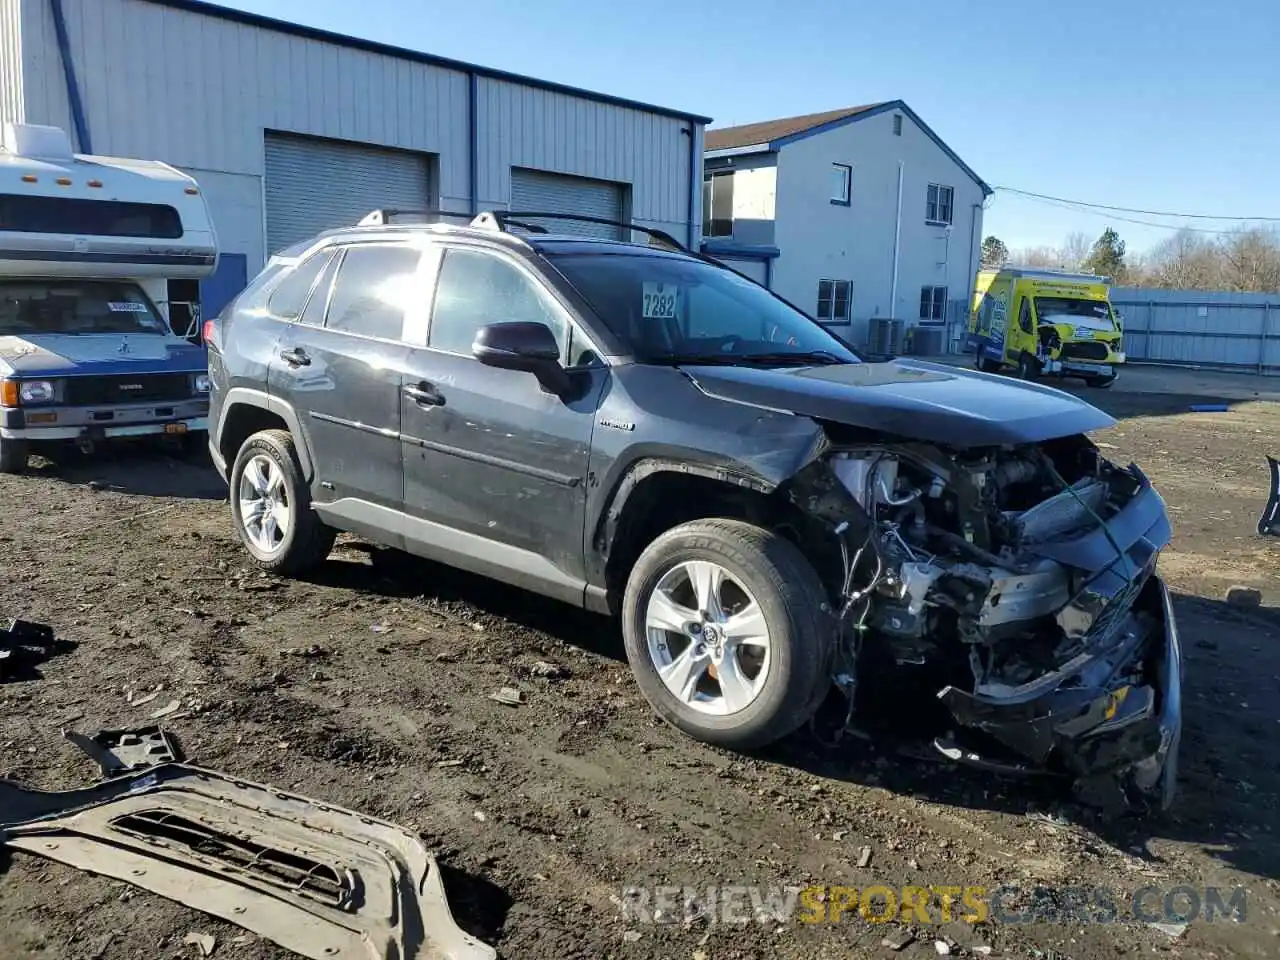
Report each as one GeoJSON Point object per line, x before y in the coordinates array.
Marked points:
{"type": "Point", "coordinates": [502, 220]}
{"type": "Point", "coordinates": [518, 218]}
{"type": "Point", "coordinates": [385, 217]}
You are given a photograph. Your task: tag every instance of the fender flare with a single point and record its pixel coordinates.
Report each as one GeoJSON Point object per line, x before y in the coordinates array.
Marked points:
{"type": "Point", "coordinates": [249, 397]}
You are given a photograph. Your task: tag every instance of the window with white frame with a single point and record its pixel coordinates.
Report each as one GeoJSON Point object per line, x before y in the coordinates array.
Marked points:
{"type": "Point", "coordinates": [841, 183]}
{"type": "Point", "coordinates": [834, 298]}
{"type": "Point", "coordinates": [933, 303]}
{"type": "Point", "coordinates": [897, 124]}
{"type": "Point", "coordinates": [939, 203]}
{"type": "Point", "coordinates": [717, 205]}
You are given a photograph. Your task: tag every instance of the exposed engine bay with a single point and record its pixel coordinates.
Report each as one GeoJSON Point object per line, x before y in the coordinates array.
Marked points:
{"type": "Point", "coordinates": [1014, 582]}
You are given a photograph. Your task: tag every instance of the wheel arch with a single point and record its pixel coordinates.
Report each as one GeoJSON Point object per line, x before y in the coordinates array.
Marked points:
{"type": "Point", "coordinates": [246, 411]}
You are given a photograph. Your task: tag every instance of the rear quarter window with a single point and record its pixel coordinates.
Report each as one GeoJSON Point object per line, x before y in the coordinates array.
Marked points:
{"type": "Point", "coordinates": [289, 298]}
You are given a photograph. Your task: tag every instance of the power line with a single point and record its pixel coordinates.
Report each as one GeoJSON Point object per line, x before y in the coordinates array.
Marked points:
{"type": "Point", "coordinates": [1149, 213]}
{"type": "Point", "coordinates": [1143, 223]}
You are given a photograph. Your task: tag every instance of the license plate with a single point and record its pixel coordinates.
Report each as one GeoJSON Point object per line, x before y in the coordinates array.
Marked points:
{"type": "Point", "coordinates": [175, 428]}
{"type": "Point", "coordinates": [659, 301]}
{"type": "Point", "coordinates": [1099, 368]}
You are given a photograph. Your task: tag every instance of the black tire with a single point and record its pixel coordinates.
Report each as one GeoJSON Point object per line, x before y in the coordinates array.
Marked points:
{"type": "Point", "coordinates": [307, 542]}
{"type": "Point", "coordinates": [797, 614]}
{"type": "Point", "coordinates": [13, 455]}
{"type": "Point", "coordinates": [1028, 367]}
{"type": "Point", "coordinates": [193, 447]}
{"type": "Point", "coordinates": [1101, 383]}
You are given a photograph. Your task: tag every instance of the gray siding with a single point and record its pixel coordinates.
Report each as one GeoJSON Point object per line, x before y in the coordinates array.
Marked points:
{"type": "Point", "coordinates": [1208, 328]}
{"type": "Point", "coordinates": [11, 100]}
{"type": "Point", "coordinates": [207, 89]}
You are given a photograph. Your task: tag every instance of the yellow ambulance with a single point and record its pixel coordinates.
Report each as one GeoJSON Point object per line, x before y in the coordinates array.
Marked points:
{"type": "Point", "coordinates": [1045, 323]}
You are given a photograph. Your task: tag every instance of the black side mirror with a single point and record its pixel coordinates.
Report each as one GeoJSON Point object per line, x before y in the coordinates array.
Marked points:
{"type": "Point", "coordinates": [523, 345]}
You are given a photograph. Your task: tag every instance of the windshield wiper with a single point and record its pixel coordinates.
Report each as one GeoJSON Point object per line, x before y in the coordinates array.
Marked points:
{"type": "Point", "coordinates": [814, 357]}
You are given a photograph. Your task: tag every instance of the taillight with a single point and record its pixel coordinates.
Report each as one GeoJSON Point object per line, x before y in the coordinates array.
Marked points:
{"type": "Point", "coordinates": [208, 330]}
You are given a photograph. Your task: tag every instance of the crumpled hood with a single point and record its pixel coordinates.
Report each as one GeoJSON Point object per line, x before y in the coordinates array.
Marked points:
{"type": "Point", "coordinates": [910, 398]}
{"type": "Point", "coordinates": [56, 355]}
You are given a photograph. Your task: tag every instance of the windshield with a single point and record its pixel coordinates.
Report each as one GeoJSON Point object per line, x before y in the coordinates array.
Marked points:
{"type": "Point", "coordinates": [75, 306]}
{"type": "Point", "coordinates": [677, 310]}
{"type": "Point", "coordinates": [1091, 313]}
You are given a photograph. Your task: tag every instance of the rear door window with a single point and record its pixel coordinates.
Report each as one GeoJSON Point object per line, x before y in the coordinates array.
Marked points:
{"type": "Point", "coordinates": [290, 296]}
{"type": "Point", "coordinates": [377, 284]}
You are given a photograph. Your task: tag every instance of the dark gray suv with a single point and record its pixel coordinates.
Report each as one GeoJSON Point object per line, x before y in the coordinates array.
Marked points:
{"type": "Point", "coordinates": [641, 431]}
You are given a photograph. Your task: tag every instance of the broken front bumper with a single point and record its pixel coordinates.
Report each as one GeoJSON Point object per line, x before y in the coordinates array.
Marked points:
{"type": "Point", "coordinates": [1115, 709]}
{"type": "Point", "coordinates": [1090, 719]}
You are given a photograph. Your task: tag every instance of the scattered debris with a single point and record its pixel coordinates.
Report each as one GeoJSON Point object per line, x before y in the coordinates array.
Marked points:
{"type": "Point", "coordinates": [982, 950]}
{"type": "Point", "coordinates": [127, 751]}
{"type": "Point", "coordinates": [479, 815]}
{"type": "Point", "coordinates": [24, 640]}
{"type": "Point", "coordinates": [312, 652]}
{"type": "Point", "coordinates": [864, 857]}
{"type": "Point", "coordinates": [631, 936]}
{"type": "Point", "coordinates": [381, 628]}
{"type": "Point", "coordinates": [176, 830]}
{"type": "Point", "coordinates": [173, 706]}
{"type": "Point", "coordinates": [548, 670]}
{"type": "Point", "coordinates": [450, 763]}
{"type": "Point", "coordinates": [898, 940]}
{"type": "Point", "coordinates": [508, 695]}
{"type": "Point", "coordinates": [942, 947]}
{"type": "Point", "coordinates": [204, 942]}
{"type": "Point", "coordinates": [1171, 930]}
{"type": "Point", "coordinates": [145, 700]}
{"type": "Point", "coordinates": [1239, 596]}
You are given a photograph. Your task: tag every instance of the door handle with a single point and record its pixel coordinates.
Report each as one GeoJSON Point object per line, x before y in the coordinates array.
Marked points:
{"type": "Point", "coordinates": [424, 394]}
{"type": "Point", "coordinates": [297, 357]}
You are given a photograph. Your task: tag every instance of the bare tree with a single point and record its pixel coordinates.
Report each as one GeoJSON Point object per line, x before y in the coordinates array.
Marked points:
{"type": "Point", "coordinates": [1075, 249]}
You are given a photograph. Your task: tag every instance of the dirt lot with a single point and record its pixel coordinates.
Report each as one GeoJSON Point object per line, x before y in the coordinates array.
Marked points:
{"type": "Point", "coordinates": [558, 804]}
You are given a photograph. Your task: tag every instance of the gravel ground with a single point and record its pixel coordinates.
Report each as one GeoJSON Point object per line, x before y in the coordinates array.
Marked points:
{"type": "Point", "coordinates": [367, 685]}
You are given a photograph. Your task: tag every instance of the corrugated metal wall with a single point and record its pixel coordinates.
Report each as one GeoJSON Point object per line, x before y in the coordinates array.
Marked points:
{"type": "Point", "coordinates": [1210, 328]}
{"type": "Point", "coordinates": [541, 192]}
{"type": "Point", "coordinates": [204, 89]}
{"type": "Point", "coordinates": [11, 86]}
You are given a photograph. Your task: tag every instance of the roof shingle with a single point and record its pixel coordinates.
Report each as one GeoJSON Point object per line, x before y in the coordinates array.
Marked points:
{"type": "Point", "coordinates": [749, 134]}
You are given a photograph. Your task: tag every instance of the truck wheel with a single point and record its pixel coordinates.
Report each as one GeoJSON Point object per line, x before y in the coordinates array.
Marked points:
{"type": "Point", "coordinates": [271, 506]}
{"type": "Point", "coordinates": [1028, 367]}
{"type": "Point", "coordinates": [1100, 382]}
{"type": "Point", "coordinates": [729, 632]}
{"type": "Point", "coordinates": [13, 455]}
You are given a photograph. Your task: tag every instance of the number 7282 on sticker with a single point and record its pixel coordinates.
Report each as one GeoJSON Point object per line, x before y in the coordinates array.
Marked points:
{"type": "Point", "coordinates": [660, 300]}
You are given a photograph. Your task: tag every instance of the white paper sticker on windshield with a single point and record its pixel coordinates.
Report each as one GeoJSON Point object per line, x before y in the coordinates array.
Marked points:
{"type": "Point", "coordinates": [126, 306]}
{"type": "Point", "coordinates": [660, 300]}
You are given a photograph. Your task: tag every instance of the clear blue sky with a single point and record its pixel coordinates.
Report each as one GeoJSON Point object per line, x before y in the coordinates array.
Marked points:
{"type": "Point", "coordinates": [1169, 105]}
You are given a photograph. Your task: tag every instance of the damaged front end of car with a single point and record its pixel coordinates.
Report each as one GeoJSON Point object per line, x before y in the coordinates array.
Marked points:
{"type": "Point", "coordinates": [1017, 586]}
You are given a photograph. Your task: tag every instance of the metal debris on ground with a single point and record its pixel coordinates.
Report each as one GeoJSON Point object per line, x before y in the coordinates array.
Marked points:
{"type": "Point", "coordinates": [127, 751]}
{"type": "Point", "coordinates": [203, 942]}
{"type": "Point", "coordinates": [365, 889]}
{"type": "Point", "coordinates": [1171, 930]}
{"type": "Point", "coordinates": [143, 701]}
{"type": "Point", "coordinates": [898, 940]}
{"type": "Point", "coordinates": [509, 696]}
{"type": "Point", "coordinates": [942, 947]}
{"type": "Point", "coordinates": [864, 857]}
{"type": "Point", "coordinates": [173, 706]}
{"type": "Point", "coordinates": [548, 670]}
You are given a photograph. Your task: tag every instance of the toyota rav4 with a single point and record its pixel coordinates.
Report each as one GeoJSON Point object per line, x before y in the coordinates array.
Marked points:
{"type": "Point", "coordinates": [639, 430]}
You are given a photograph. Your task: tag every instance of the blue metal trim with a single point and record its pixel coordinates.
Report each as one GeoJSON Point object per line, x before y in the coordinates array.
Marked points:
{"type": "Point", "coordinates": [69, 74]}
{"type": "Point", "coordinates": [473, 147]}
{"type": "Point", "coordinates": [875, 112]}
{"type": "Point", "coordinates": [768, 273]}
{"type": "Point", "coordinates": [727, 248]}
{"type": "Point", "coordinates": [370, 46]}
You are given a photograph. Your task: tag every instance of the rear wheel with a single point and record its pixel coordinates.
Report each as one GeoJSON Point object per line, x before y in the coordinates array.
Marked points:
{"type": "Point", "coordinates": [13, 455]}
{"type": "Point", "coordinates": [1028, 367]}
{"type": "Point", "coordinates": [728, 632]}
{"type": "Point", "coordinates": [271, 506]}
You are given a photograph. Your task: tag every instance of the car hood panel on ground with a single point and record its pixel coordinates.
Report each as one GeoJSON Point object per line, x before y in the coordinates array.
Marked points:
{"type": "Point", "coordinates": [914, 399]}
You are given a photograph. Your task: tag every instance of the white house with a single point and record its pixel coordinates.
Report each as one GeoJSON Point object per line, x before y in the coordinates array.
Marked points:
{"type": "Point", "coordinates": [290, 130]}
{"type": "Point", "coordinates": [851, 215]}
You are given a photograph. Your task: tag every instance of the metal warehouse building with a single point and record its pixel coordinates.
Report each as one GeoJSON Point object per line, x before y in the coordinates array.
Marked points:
{"type": "Point", "coordinates": [291, 130]}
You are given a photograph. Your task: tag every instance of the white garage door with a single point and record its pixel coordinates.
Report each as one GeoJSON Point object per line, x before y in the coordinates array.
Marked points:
{"type": "Point", "coordinates": [314, 185]}
{"type": "Point", "coordinates": [536, 190]}
{"type": "Point", "coordinates": [750, 268]}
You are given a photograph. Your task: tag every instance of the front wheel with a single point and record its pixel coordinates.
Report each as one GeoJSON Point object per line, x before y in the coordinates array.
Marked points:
{"type": "Point", "coordinates": [271, 506]}
{"type": "Point", "coordinates": [1100, 382]}
{"type": "Point", "coordinates": [1028, 367]}
{"type": "Point", "coordinates": [13, 455]}
{"type": "Point", "coordinates": [729, 632]}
